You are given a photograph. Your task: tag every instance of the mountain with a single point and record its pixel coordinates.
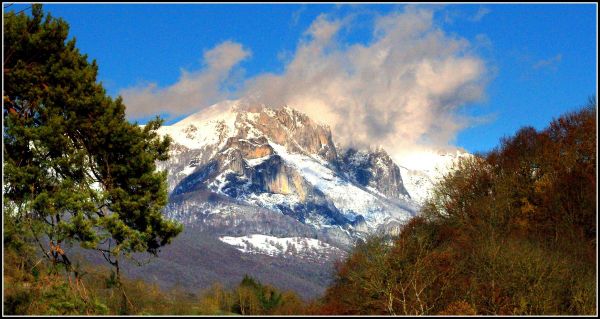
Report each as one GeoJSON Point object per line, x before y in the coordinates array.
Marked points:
{"type": "Point", "coordinates": [233, 158]}
{"type": "Point", "coordinates": [422, 169]}
{"type": "Point", "coordinates": [269, 189]}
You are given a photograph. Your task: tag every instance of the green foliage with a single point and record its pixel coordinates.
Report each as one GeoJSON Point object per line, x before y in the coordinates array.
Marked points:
{"type": "Point", "coordinates": [268, 298]}
{"type": "Point", "coordinates": [255, 298]}
{"type": "Point", "coordinates": [250, 297]}
{"type": "Point", "coordinates": [511, 232]}
{"type": "Point", "coordinates": [32, 285]}
{"type": "Point", "coordinates": [74, 168]}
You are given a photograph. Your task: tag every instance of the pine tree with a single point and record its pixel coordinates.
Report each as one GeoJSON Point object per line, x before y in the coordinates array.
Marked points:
{"type": "Point", "coordinates": [75, 169]}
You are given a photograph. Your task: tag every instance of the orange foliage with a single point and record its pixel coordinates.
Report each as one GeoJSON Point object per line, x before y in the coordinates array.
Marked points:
{"type": "Point", "coordinates": [512, 231]}
{"type": "Point", "coordinates": [458, 308]}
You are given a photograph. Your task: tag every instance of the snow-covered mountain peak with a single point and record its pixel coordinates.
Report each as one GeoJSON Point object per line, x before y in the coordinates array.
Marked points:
{"type": "Point", "coordinates": [270, 183]}
{"type": "Point", "coordinates": [234, 156]}
{"type": "Point", "coordinates": [214, 125]}
{"type": "Point", "coordinates": [207, 127]}
{"type": "Point", "coordinates": [281, 160]}
{"type": "Point", "coordinates": [222, 111]}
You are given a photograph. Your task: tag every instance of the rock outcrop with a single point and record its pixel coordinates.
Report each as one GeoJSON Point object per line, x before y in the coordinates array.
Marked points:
{"type": "Point", "coordinates": [281, 160]}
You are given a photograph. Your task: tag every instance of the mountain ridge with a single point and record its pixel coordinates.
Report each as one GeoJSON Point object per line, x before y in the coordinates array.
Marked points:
{"type": "Point", "coordinates": [271, 184]}
{"type": "Point", "coordinates": [280, 159]}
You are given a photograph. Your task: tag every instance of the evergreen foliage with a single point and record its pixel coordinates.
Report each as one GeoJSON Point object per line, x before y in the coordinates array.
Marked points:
{"type": "Point", "coordinates": [75, 170]}
{"type": "Point", "coordinates": [251, 297]}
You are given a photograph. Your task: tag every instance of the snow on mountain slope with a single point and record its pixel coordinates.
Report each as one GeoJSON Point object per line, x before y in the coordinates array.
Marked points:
{"type": "Point", "coordinates": [417, 183]}
{"type": "Point", "coordinates": [279, 160]}
{"type": "Point", "coordinates": [350, 199]}
{"type": "Point", "coordinates": [306, 248]}
{"type": "Point", "coordinates": [207, 127]}
{"type": "Point", "coordinates": [420, 170]}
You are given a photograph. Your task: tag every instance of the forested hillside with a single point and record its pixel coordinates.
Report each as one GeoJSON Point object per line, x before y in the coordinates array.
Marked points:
{"type": "Point", "coordinates": [511, 232]}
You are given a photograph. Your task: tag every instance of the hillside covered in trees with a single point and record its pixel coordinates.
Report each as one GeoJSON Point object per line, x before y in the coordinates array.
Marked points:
{"type": "Point", "coordinates": [511, 232]}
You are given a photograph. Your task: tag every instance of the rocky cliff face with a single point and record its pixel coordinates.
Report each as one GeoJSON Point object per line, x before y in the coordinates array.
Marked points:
{"type": "Point", "coordinates": [376, 170]}
{"type": "Point", "coordinates": [280, 160]}
{"type": "Point", "coordinates": [265, 191]}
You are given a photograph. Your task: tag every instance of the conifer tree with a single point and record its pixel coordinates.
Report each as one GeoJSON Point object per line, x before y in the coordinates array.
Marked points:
{"type": "Point", "coordinates": [75, 169]}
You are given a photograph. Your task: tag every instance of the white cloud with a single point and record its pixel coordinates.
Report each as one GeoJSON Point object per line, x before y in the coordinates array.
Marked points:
{"type": "Point", "coordinates": [400, 91]}
{"type": "Point", "coordinates": [481, 12]}
{"type": "Point", "coordinates": [193, 90]}
{"type": "Point", "coordinates": [550, 63]}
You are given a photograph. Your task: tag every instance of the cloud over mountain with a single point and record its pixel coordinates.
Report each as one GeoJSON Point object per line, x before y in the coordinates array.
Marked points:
{"type": "Point", "coordinates": [193, 89]}
{"type": "Point", "coordinates": [401, 90]}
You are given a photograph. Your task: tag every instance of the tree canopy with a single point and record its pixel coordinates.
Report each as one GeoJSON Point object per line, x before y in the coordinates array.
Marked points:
{"type": "Point", "coordinates": [75, 169]}
{"type": "Point", "coordinates": [512, 232]}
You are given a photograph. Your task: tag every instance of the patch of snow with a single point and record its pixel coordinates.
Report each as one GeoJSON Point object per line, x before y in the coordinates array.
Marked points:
{"type": "Point", "coordinates": [421, 170]}
{"type": "Point", "coordinates": [318, 221]}
{"type": "Point", "coordinates": [221, 181]}
{"type": "Point", "coordinates": [206, 127]}
{"type": "Point", "coordinates": [252, 117]}
{"type": "Point", "coordinates": [257, 161]}
{"type": "Point", "coordinates": [269, 112]}
{"type": "Point", "coordinates": [417, 183]}
{"type": "Point", "coordinates": [188, 170]}
{"type": "Point", "coordinates": [277, 246]}
{"type": "Point", "coordinates": [271, 200]}
{"type": "Point", "coordinates": [375, 191]}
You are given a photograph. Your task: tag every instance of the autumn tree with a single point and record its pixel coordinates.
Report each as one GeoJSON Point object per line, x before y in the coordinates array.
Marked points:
{"type": "Point", "coordinates": [510, 232]}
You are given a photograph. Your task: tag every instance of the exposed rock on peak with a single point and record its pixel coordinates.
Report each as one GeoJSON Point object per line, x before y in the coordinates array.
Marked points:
{"type": "Point", "coordinates": [281, 160]}
{"type": "Point", "coordinates": [376, 170]}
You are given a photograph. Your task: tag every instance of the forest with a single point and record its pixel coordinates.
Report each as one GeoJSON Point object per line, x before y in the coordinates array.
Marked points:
{"type": "Point", "coordinates": [508, 232]}
{"type": "Point", "coordinates": [511, 232]}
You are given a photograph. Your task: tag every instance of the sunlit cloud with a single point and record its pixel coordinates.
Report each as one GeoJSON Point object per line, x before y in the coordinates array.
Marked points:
{"type": "Point", "coordinates": [193, 90]}
{"type": "Point", "coordinates": [401, 90]}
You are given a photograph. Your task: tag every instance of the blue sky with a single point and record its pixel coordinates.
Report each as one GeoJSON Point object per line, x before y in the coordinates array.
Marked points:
{"type": "Point", "coordinates": [540, 60]}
